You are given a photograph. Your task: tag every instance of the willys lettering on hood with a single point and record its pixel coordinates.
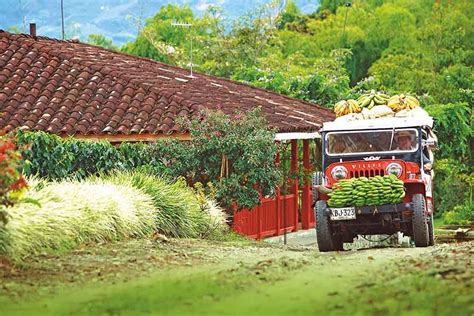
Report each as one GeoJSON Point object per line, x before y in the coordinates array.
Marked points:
{"type": "Point", "coordinates": [366, 165]}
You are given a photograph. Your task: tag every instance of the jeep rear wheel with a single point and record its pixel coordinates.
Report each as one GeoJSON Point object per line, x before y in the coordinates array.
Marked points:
{"type": "Point", "coordinates": [326, 240]}
{"type": "Point", "coordinates": [420, 221]}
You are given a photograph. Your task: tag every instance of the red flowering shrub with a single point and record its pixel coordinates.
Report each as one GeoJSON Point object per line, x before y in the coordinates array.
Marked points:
{"type": "Point", "coordinates": [235, 153]}
{"type": "Point", "coordinates": [11, 180]}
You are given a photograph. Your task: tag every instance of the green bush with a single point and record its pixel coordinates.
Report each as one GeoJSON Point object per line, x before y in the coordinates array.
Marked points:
{"type": "Point", "coordinates": [138, 155]}
{"type": "Point", "coordinates": [453, 167]}
{"type": "Point", "coordinates": [45, 155]}
{"type": "Point", "coordinates": [235, 153]}
{"type": "Point", "coordinates": [462, 214]}
{"type": "Point", "coordinates": [177, 158]}
{"type": "Point", "coordinates": [92, 157]}
{"type": "Point", "coordinates": [52, 157]}
{"type": "Point", "coordinates": [452, 185]}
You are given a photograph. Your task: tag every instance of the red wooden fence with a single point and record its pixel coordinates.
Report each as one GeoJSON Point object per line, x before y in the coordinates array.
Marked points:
{"type": "Point", "coordinates": [277, 215]}
{"type": "Point", "coordinates": [270, 218]}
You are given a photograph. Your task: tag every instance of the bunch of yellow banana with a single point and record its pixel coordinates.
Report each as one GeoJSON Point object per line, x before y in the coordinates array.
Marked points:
{"type": "Point", "coordinates": [403, 102]}
{"type": "Point", "coordinates": [369, 100]}
{"type": "Point", "coordinates": [346, 107]}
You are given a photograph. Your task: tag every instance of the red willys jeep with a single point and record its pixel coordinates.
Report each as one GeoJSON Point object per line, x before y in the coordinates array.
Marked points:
{"type": "Point", "coordinates": [374, 148]}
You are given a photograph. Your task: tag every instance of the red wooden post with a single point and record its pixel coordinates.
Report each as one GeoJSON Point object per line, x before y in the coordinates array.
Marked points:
{"type": "Point", "coordinates": [277, 198]}
{"type": "Point", "coordinates": [259, 218]}
{"type": "Point", "coordinates": [294, 171]}
{"type": "Point", "coordinates": [306, 197]}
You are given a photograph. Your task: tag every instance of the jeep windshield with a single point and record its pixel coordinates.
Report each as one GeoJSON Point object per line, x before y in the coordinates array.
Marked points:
{"type": "Point", "coordinates": [371, 142]}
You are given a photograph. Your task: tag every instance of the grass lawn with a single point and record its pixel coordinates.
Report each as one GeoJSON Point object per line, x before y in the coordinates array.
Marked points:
{"type": "Point", "coordinates": [205, 278]}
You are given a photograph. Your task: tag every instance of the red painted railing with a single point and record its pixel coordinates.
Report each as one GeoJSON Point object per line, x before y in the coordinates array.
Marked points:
{"type": "Point", "coordinates": [277, 215]}
{"type": "Point", "coordinates": [270, 218]}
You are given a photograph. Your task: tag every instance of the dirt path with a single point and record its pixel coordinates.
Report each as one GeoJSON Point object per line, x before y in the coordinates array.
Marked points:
{"type": "Point", "coordinates": [204, 278]}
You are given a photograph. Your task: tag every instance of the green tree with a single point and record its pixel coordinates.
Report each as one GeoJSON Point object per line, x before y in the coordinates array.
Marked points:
{"type": "Point", "coordinates": [101, 40]}
{"type": "Point", "coordinates": [250, 38]}
{"type": "Point", "coordinates": [162, 41]}
{"type": "Point", "coordinates": [331, 5]}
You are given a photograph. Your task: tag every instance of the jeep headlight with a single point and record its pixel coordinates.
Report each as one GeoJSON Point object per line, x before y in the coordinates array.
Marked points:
{"type": "Point", "coordinates": [394, 168]}
{"type": "Point", "coordinates": [339, 172]}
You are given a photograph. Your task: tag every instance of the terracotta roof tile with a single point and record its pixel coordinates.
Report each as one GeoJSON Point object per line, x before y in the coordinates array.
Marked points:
{"type": "Point", "coordinates": [72, 88]}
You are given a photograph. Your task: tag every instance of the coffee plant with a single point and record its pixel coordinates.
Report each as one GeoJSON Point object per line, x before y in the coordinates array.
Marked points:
{"type": "Point", "coordinates": [52, 157]}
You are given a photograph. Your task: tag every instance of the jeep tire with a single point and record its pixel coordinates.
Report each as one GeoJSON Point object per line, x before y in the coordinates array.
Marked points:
{"type": "Point", "coordinates": [317, 180]}
{"type": "Point", "coordinates": [420, 221]}
{"type": "Point", "coordinates": [324, 234]}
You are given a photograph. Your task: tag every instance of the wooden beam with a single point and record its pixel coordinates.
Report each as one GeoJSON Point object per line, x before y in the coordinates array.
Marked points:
{"type": "Point", "coordinates": [294, 171]}
{"type": "Point", "coordinates": [118, 138]}
{"type": "Point", "coordinates": [296, 135]}
{"type": "Point", "coordinates": [278, 193]}
{"type": "Point", "coordinates": [306, 194]}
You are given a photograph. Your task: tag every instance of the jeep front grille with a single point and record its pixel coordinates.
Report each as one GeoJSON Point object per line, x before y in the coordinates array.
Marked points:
{"type": "Point", "coordinates": [367, 173]}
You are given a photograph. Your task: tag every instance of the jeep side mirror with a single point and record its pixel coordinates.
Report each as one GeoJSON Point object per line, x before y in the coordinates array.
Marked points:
{"type": "Point", "coordinates": [431, 143]}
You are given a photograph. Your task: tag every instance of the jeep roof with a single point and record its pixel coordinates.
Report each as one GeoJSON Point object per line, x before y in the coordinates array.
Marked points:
{"type": "Point", "coordinates": [378, 123]}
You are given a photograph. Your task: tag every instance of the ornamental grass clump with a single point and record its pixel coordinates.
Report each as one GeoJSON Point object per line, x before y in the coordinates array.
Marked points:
{"type": "Point", "coordinates": [70, 213]}
{"type": "Point", "coordinates": [179, 212]}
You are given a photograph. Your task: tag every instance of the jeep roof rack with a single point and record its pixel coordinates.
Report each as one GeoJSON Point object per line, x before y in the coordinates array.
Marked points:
{"type": "Point", "coordinates": [378, 123]}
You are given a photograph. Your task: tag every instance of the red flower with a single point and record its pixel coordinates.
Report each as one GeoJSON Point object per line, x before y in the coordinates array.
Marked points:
{"type": "Point", "coordinates": [11, 145]}
{"type": "Point", "coordinates": [19, 184]}
{"type": "Point", "coordinates": [7, 146]}
{"type": "Point", "coordinates": [10, 177]}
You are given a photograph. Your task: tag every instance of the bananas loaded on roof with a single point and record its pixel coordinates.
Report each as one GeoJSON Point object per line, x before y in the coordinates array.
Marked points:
{"type": "Point", "coordinates": [378, 190]}
{"type": "Point", "coordinates": [369, 100]}
{"type": "Point", "coordinates": [403, 102]}
{"type": "Point", "coordinates": [346, 107]}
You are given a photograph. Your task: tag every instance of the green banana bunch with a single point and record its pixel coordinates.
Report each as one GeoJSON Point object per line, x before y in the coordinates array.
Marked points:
{"type": "Point", "coordinates": [378, 190]}
{"type": "Point", "coordinates": [369, 100]}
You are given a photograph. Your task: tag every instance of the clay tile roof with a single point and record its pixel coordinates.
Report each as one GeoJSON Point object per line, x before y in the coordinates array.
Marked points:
{"type": "Point", "coordinates": [72, 88]}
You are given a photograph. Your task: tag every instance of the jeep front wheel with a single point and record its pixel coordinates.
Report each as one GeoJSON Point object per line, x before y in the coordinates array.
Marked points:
{"type": "Point", "coordinates": [420, 221]}
{"type": "Point", "coordinates": [326, 240]}
{"type": "Point", "coordinates": [317, 180]}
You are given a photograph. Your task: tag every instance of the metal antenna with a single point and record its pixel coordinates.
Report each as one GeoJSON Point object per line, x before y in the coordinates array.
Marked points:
{"type": "Point", "coordinates": [62, 18]}
{"type": "Point", "coordinates": [347, 5]}
{"type": "Point", "coordinates": [190, 26]}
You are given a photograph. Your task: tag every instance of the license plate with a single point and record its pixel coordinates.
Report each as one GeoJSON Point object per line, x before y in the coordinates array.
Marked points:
{"type": "Point", "coordinates": [343, 213]}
